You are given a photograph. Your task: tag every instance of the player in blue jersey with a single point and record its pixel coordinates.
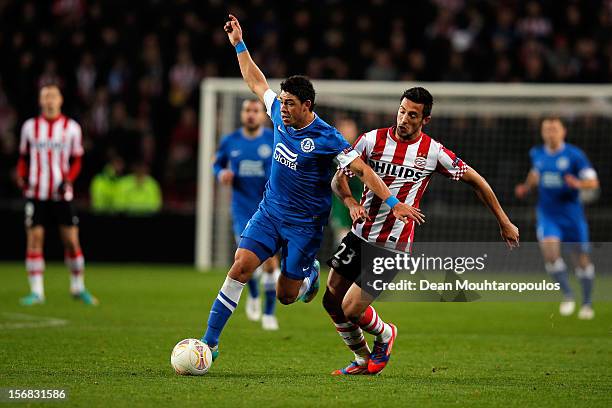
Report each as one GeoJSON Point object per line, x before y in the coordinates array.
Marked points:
{"type": "Point", "coordinates": [297, 200]}
{"type": "Point", "coordinates": [560, 170]}
{"type": "Point", "coordinates": [243, 162]}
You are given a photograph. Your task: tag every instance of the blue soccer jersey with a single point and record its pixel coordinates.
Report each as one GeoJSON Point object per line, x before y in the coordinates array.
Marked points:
{"type": "Point", "coordinates": [560, 212]}
{"type": "Point", "coordinates": [297, 200]}
{"type": "Point", "coordinates": [299, 189]}
{"type": "Point", "coordinates": [250, 160]}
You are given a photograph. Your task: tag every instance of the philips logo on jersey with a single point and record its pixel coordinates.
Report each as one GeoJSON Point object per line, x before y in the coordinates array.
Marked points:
{"type": "Point", "coordinates": [286, 157]}
{"type": "Point", "coordinates": [49, 145]}
{"type": "Point", "coordinates": [390, 169]}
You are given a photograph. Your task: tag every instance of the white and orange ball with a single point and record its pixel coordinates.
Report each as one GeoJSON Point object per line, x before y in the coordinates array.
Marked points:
{"type": "Point", "coordinates": [191, 357]}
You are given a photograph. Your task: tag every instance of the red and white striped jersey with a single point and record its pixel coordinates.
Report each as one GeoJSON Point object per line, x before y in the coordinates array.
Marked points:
{"type": "Point", "coordinates": [48, 146]}
{"type": "Point", "coordinates": [406, 168]}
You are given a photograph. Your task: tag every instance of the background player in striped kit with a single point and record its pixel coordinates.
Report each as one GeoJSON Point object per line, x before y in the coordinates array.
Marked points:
{"type": "Point", "coordinates": [243, 162]}
{"type": "Point", "coordinates": [50, 160]}
{"type": "Point", "coordinates": [560, 171]}
{"type": "Point", "coordinates": [405, 158]}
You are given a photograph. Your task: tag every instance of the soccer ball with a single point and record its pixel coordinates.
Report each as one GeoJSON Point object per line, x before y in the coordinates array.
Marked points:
{"type": "Point", "coordinates": [191, 357]}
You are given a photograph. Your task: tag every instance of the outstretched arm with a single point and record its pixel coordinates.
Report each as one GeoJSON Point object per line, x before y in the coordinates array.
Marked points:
{"type": "Point", "coordinates": [508, 231]}
{"type": "Point", "coordinates": [401, 211]}
{"type": "Point", "coordinates": [251, 73]}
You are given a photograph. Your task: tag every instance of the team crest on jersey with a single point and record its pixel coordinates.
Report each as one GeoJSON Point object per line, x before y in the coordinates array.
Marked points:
{"type": "Point", "coordinates": [264, 151]}
{"type": "Point", "coordinates": [420, 162]}
{"type": "Point", "coordinates": [307, 145]}
{"type": "Point", "coordinates": [562, 163]}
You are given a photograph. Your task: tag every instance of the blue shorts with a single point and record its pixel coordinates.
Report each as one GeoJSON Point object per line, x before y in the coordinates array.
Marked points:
{"type": "Point", "coordinates": [265, 235]}
{"type": "Point", "coordinates": [566, 229]}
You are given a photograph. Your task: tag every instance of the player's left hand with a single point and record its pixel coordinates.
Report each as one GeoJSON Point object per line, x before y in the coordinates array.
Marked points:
{"type": "Point", "coordinates": [233, 30]}
{"type": "Point", "coordinates": [65, 190]}
{"type": "Point", "coordinates": [510, 234]}
{"type": "Point", "coordinates": [572, 181]}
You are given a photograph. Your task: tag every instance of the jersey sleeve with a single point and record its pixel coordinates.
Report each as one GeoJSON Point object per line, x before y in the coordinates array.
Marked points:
{"type": "Point", "coordinates": [23, 139]}
{"type": "Point", "coordinates": [272, 106]}
{"type": "Point", "coordinates": [532, 158]}
{"type": "Point", "coordinates": [77, 141]}
{"type": "Point", "coordinates": [343, 151]}
{"type": "Point", "coordinates": [450, 165]}
{"type": "Point", "coordinates": [360, 146]}
{"type": "Point", "coordinates": [221, 157]}
{"type": "Point", "coordinates": [583, 167]}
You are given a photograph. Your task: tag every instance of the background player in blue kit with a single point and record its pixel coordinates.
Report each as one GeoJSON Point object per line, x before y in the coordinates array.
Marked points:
{"type": "Point", "coordinates": [560, 170]}
{"type": "Point", "coordinates": [297, 200]}
{"type": "Point", "coordinates": [243, 162]}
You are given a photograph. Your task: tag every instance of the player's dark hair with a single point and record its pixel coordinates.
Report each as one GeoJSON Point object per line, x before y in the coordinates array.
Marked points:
{"type": "Point", "coordinates": [255, 99]}
{"type": "Point", "coordinates": [51, 84]}
{"type": "Point", "coordinates": [300, 86]}
{"type": "Point", "coordinates": [419, 95]}
{"type": "Point", "coordinates": [554, 118]}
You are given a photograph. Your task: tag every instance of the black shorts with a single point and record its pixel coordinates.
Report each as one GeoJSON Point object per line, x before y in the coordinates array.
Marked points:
{"type": "Point", "coordinates": [353, 261]}
{"type": "Point", "coordinates": [47, 212]}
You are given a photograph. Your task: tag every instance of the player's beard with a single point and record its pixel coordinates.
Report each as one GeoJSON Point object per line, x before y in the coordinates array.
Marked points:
{"type": "Point", "coordinates": [251, 128]}
{"type": "Point", "coordinates": [408, 135]}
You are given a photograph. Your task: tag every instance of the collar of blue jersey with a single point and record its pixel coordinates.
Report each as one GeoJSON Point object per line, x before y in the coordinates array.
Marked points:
{"type": "Point", "coordinates": [553, 152]}
{"type": "Point", "coordinates": [302, 128]}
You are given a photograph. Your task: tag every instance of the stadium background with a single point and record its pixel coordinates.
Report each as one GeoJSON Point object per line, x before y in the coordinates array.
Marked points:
{"type": "Point", "coordinates": [143, 105]}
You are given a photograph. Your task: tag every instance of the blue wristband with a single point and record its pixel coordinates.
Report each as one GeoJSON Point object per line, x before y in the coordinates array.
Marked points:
{"type": "Point", "coordinates": [392, 201]}
{"type": "Point", "coordinates": [240, 47]}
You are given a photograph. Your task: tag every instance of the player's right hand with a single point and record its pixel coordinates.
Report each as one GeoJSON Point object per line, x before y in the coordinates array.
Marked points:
{"type": "Point", "coordinates": [226, 177]}
{"type": "Point", "coordinates": [405, 212]}
{"type": "Point", "coordinates": [233, 30]}
{"type": "Point", "coordinates": [358, 213]}
{"type": "Point", "coordinates": [520, 191]}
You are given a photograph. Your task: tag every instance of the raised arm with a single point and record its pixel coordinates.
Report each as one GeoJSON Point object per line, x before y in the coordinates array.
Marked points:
{"type": "Point", "coordinates": [508, 231]}
{"type": "Point", "coordinates": [401, 211]}
{"type": "Point", "coordinates": [251, 73]}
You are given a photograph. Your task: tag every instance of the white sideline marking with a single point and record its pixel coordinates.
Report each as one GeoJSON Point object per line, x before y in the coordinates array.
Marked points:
{"type": "Point", "coordinates": [31, 322]}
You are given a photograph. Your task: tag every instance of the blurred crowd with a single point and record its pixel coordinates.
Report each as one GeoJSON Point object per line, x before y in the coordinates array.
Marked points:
{"type": "Point", "coordinates": [130, 70]}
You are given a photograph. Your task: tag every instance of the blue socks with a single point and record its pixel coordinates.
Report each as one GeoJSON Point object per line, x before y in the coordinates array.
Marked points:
{"type": "Point", "coordinates": [269, 284]}
{"type": "Point", "coordinates": [558, 271]}
{"type": "Point", "coordinates": [222, 308]}
{"type": "Point", "coordinates": [253, 287]}
{"type": "Point", "coordinates": [586, 276]}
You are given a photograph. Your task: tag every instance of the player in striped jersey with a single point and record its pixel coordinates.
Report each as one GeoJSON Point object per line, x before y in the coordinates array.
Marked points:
{"type": "Point", "coordinates": [405, 158]}
{"type": "Point", "coordinates": [50, 160]}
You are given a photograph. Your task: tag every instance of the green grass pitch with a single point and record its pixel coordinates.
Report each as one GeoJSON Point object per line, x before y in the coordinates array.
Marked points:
{"type": "Point", "coordinates": [447, 354]}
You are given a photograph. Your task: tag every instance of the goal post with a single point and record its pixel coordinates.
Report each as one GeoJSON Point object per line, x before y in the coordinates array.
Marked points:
{"type": "Point", "coordinates": [491, 126]}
